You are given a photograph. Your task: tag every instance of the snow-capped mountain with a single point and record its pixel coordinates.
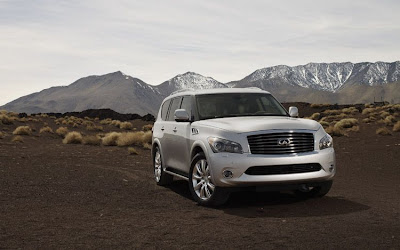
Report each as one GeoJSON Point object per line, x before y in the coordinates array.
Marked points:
{"type": "Point", "coordinates": [324, 76]}
{"type": "Point", "coordinates": [313, 82]}
{"type": "Point", "coordinates": [188, 80]}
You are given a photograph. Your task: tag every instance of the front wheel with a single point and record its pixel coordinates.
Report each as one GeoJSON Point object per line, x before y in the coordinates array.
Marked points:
{"type": "Point", "coordinates": [319, 190]}
{"type": "Point", "coordinates": [201, 185]}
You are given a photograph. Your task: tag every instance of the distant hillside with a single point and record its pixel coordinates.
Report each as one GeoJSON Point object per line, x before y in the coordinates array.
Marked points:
{"type": "Point", "coordinates": [342, 83]}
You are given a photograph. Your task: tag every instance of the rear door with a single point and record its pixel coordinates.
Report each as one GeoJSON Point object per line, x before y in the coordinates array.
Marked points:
{"type": "Point", "coordinates": [182, 143]}
{"type": "Point", "coordinates": [169, 142]}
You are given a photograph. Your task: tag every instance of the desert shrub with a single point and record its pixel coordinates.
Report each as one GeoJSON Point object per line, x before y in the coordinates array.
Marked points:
{"type": "Point", "coordinates": [347, 123]}
{"type": "Point", "coordinates": [3, 112]}
{"type": "Point", "coordinates": [46, 129]}
{"type": "Point", "coordinates": [62, 131]}
{"type": "Point", "coordinates": [369, 119]}
{"type": "Point", "coordinates": [324, 124]}
{"type": "Point", "coordinates": [116, 123]}
{"type": "Point", "coordinates": [94, 128]}
{"type": "Point", "coordinates": [390, 120]}
{"type": "Point", "coordinates": [2, 135]}
{"type": "Point", "coordinates": [73, 138]}
{"type": "Point", "coordinates": [367, 111]}
{"type": "Point", "coordinates": [91, 140]}
{"type": "Point", "coordinates": [23, 130]}
{"type": "Point", "coordinates": [335, 131]}
{"type": "Point", "coordinates": [147, 137]}
{"type": "Point", "coordinates": [147, 146]}
{"type": "Point", "coordinates": [87, 118]}
{"type": "Point", "coordinates": [75, 125]}
{"type": "Point", "coordinates": [132, 151]}
{"type": "Point", "coordinates": [147, 127]}
{"type": "Point", "coordinates": [368, 105]}
{"type": "Point", "coordinates": [383, 131]}
{"type": "Point", "coordinates": [315, 116]}
{"type": "Point", "coordinates": [17, 138]}
{"type": "Point", "coordinates": [88, 123]}
{"type": "Point", "coordinates": [332, 112]}
{"type": "Point", "coordinates": [5, 119]}
{"type": "Point", "coordinates": [110, 139]}
{"type": "Point", "coordinates": [396, 107]}
{"type": "Point", "coordinates": [130, 138]}
{"type": "Point", "coordinates": [396, 127]}
{"type": "Point", "coordinates": [321, 105]}
{"type": "Point", "coordinates": [96, 119]}
{"type": "Point", "coordinates": [350, 110]}
{"type": "Point", "coordinates": [106, 121]}
{"type": "Point", "coordinates": [126, 125]}
{"type": "Point", "coordinates": [383, 114]}
{"type": "Point", "coordinates": [44, 115]}
{"type": "Point", "coordinates": [52, 117]}
{"type": "Point", "coordinates": [332, 118]}
{"type": "Point", "coordinates": [23, 119]}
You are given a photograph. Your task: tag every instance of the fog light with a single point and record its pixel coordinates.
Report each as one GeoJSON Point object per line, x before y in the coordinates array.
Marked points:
{"type": "Point", "coordinates": [227, 174]}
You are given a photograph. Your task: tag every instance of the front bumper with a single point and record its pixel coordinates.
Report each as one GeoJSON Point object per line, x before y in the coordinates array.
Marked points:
{"type": "Point", "coordinates": [239, 163]}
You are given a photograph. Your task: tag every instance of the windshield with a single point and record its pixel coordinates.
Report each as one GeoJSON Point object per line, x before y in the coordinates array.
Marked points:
{"type": "Point", "coordinates": [238, 104]}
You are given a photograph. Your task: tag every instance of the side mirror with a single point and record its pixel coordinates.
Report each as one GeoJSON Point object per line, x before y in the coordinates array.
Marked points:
{"type": "Point", "coordinates": [181, 115]}
{"type": "Point", "coordinates": [293, 112]}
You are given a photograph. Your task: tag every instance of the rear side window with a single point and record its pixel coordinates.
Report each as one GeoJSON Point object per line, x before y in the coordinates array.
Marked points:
{"type": "Point", "coordinates": [176, 102]}
{"type": "Point", "coordinates": [164, 110]}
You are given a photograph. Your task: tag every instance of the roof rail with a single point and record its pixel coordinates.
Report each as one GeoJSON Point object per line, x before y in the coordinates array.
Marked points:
{"type": "Point", "coordinates": [181, 90]}
{"type": "Point", "coordinates": [257, 88]}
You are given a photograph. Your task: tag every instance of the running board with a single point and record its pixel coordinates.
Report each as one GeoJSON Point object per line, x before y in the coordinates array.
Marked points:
{"type": "Point", "coordinates": [177, 173]}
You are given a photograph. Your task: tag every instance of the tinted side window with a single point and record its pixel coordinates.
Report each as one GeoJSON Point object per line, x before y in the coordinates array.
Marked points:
{"type": "Point", "coordinates": [187, 104]}
{"type": "Point", "coordinates": [176, 102]}
{"type": "Point", "coordinates": [164, 110]}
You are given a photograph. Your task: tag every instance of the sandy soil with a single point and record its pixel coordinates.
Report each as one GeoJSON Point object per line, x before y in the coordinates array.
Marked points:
{"type": "Point", "coordinates": [75, 196]}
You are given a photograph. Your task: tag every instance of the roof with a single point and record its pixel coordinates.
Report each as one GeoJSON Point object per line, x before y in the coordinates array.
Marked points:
{"type": "Point", "coordinates": [216, 91]}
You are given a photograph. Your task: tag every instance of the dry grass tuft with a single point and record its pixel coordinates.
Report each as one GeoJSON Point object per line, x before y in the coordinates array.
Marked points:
{"type": "Point", "coordinates": [62, 131]}
{"type": "Point", "coordinates": [390, 120]}
{"type": "Point", "coordinates": [17, 138]}
{"type": "Point", "coordinates": [46, 129]}
{"type": "Point", "coordinates": [383, 131]}
{"type": "Point", "coordinates": [116, 123]}
{"type": "Point", "coordinates": [369, 119]}
{"type": "Point", "coordinates": [2, 135]}
{"type": "Point", "coordinates": [335, 131]}
{"type": "Point", "coordinates": [147, 146]}
{"type": "Point", "coordinates": [383, 114]}
{"type": "Point", "coordinates": [73, 138]}
{"type": "Point", "coordinates": [106, 121]}
{"type": "Point", "coordinates": [147, 137]}
{"type": "Point", "coordinates": [332, 112]}
{"type": "Point", "coordinates": [126, 125]}
{"type": "Point", "coordinates": [130, 138]}
{"type": "Point", "coordinates": [5, 119]}
{"type": "Point", "coordinates": [367, 111]}
{"type": "Point", "coordinates": [396, 127]}
{"type": "Point", "coordinates": [315, 116]}
{"type": "Point", "coordinates": [132, 151]}
{"type": "Point", "coordinates": [350, 110]}
{"type": "Point", "coordinates": [91, 140]}
{"type": "Point", "coordinates": [93, 127]}
{"type": "Point", "coordinates": [23, 130]}
{"type": "Point", "coordinates": [110, 139]}
{"type": "Point", "coordinates": [147, 127]}
{"type": "Point", "coordinates": [324, 124]}
{"type": "Point", "coordinates": [347, 123]}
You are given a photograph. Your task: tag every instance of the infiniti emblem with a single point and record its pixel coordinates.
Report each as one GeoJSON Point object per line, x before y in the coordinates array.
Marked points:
{"type": "Point", "coordinates": [284, 142]}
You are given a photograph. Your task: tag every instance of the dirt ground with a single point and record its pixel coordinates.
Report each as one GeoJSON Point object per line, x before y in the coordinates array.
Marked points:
{"type": "Point", "coordinates": [54, 195]}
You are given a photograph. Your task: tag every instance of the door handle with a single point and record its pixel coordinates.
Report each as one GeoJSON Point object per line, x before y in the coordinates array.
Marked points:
{"type": "Point", "coordinates": [175, 130]}
{"type": "Point", "coordinates": [162, 129]}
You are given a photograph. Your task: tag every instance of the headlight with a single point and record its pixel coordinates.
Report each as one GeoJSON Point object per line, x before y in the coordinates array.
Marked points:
{"type": "Point", "coordinates": [326, 142]}
{"type": "Point", "coordinates": [219, 145]}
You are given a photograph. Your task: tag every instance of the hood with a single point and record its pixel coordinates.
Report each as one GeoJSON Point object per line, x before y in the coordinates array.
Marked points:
{"type": "Point", "coordinates": [257, 123]}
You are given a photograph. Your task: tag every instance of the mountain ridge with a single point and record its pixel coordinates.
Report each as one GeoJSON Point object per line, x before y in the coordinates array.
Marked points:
{"type": "Point", "coordinates": [312, 82]}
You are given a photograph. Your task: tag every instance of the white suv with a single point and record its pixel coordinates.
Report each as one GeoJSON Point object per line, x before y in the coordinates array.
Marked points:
{"type": "Point", "coordinates": [223, 139]}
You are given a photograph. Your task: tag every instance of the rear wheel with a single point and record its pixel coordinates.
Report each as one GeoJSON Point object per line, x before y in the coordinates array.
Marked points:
{"type": "Point", "coordinates": [201, 185]}
{"type": "Point", "coordinates": [160, 176]}
{"type": "Point", "coordinates": [319, 190]}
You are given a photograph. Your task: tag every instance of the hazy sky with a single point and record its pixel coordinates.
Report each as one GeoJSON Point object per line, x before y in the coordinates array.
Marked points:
{"type": "Point", "coordinates": [46, 43]}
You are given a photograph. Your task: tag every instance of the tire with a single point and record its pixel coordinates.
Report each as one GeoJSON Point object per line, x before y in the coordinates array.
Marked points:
{"type": "Point", "coordinates": [160, 176]}
{"type": "Point", "coordinates": [314, 192]}
{"type": "Point", "coordinates": [201, 187]}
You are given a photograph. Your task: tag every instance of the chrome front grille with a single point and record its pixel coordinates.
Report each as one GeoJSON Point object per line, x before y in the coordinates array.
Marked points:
{"type": "Point", "coordinates": [281, 143]}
